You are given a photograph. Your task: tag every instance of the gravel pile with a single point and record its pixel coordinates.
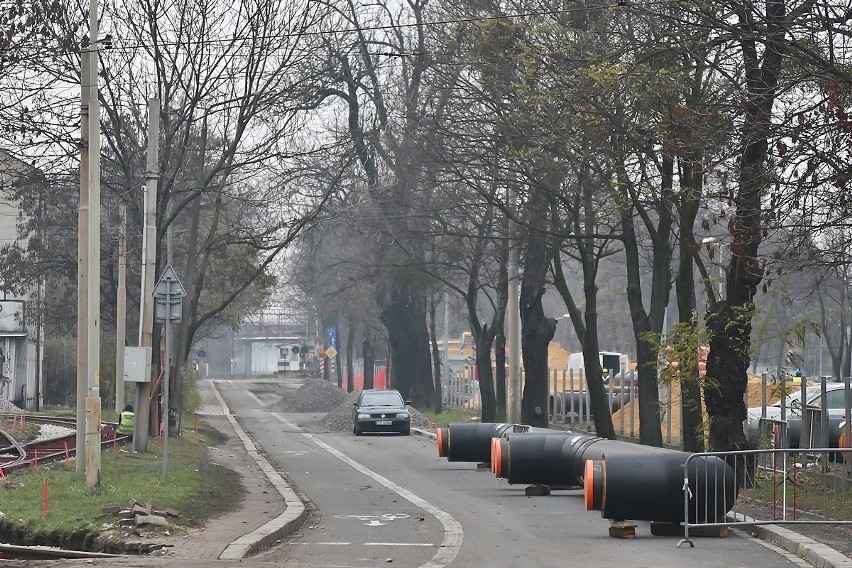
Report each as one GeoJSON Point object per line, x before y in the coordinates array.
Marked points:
{"type": "Point", "coordinates": [339, 418]}
{"type": "Point", "coordinates": [316, 395]}
{"type": "Point", "coordinates": [6, 406]}
{"type": "Point", "coordinates": [53, 431]}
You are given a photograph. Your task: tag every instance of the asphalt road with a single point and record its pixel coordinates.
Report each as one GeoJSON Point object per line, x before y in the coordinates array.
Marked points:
{"type": "Point", "coordinates": [383, 500]}
{"type": "Point", "coordinates": [391, 501]}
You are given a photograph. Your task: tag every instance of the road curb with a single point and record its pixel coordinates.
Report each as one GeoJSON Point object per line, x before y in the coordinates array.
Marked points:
{"type": "Point", "coordinates": [816, 553]}
{"type": "Point", "coordinates": [285, 523]}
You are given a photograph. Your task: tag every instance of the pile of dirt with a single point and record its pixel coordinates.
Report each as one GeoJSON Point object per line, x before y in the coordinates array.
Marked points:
{"type": "Point", "coordinates": [339, 418]}
{"type": "Point", "coordinates": [316, 395]}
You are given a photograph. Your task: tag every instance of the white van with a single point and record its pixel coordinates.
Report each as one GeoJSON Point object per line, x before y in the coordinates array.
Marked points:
{"type": "Point", "coordinates": [609, 360]}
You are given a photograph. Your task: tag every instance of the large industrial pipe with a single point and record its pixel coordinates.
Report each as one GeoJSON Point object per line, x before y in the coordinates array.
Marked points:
{"type": "Point", "coordinates": [621, 479]}
{"type": "Point", "coordinates": [649, 487]}
{"type": "Point", "coordinates": [555, 458]}
{"type": "Point", "coordinates": [472, 442]}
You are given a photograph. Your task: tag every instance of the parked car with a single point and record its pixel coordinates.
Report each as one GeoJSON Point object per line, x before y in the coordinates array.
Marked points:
{"type": "Point", "coordinates": [835, 398]}
{"type": "Point", "coordinates": [381, 410]}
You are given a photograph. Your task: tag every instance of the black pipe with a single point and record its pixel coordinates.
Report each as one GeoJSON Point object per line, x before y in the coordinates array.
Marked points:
{"type": "Point", "coordinates": [576, 402]}
{"type": "Point", "coordinates": [649, 487]}
{"type": "Point", "coordinates": [621, 479]}
{"type": "Point", "coordinates": [472, 442]}
{"type": "Point", "coordinates": [554, 458]}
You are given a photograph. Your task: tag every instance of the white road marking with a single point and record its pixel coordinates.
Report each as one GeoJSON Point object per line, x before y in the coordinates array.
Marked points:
{"type": "Point", "coordinates": [254, 396]}
{"type": "Point", "coordinates": [331, 543]}
{"type": "Point", "coordinates": [453, 533]}
{"type": "Point", "coordinates": [398, 544]}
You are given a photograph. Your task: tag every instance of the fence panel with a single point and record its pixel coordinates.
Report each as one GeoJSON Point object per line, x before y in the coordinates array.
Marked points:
{"type": "Point", "coordinates": [777, 486]}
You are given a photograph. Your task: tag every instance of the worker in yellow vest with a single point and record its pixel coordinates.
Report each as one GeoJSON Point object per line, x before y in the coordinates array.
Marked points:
{"type": "Point", "coordinates": [125, 421]}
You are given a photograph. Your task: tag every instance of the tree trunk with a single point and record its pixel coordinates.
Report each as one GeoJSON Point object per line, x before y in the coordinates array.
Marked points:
{"type": "Point", "coordinates": [368, 351]}
{"type": "Point", "coordinates": [730, 324]}
{"type": "Point", "coordinates": [692, 426]}
{"type": "Point", "coordinates": [536, 330]}
{"type": "Point", "coordinates": [436, 359]}
{"type": "Point", "coordinates": [484, 339]}
{"type": "Point", "coordinates": [500, 376]}
{"type": "Point", "coordinates": [404, 317]}
{"type": "Point", "coordinates": [585, 323]}
{"type": "Point", "coordinates": [350, 355]}
{"type": "Point", "coordinates": [650, 432]}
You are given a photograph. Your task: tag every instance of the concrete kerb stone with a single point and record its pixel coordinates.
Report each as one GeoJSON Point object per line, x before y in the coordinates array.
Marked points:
{"type": "Point", "coordinates": [424, 433]}
{"type": "Point", "coordinates": [285, 523]}
{"type": "Point", "coordinates": [816, 553]}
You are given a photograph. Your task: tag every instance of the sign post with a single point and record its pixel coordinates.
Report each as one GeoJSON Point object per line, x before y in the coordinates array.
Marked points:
{"type": "Point", "coordinates": [168, 295]}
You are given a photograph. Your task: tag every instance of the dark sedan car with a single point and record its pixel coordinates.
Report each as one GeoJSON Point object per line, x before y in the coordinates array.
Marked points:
{"type": "Point", "coordinates": [381, 410]}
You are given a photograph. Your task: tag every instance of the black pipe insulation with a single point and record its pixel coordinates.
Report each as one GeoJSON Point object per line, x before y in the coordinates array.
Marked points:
{"type": "Point", "coordinates": [555, 458]}
{"type": "Point", "coordinates": [472, 442]}
{"type": "Point", "coordinates": [649, 487]}
{"type": "Point", "coordinates": [621, 479]}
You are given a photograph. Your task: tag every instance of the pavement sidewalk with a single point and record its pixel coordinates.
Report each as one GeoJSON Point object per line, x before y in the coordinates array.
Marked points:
{"type": "Point", "coordinates": [271, 509]}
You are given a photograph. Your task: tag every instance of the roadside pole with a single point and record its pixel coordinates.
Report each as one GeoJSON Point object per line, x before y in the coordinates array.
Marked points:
{"type": "Point", "coordinates": [149, 261]}
{"type": "Point", "coordinates": [82, 264]}
{"type": "Point", "coordinates": [168, 295]}
{"type": "Point", "coordinates": [92, 290]}
{"type": "Point", "coordinates": [513, 338]}
{"type": "Point", "coordinates": [121, 312]}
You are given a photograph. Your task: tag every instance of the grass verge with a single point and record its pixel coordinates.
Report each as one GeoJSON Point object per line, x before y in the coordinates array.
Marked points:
{"type": "Point", "coordinates": [447, 417]}
{"type": "Point", "coordinates": [196, 488]}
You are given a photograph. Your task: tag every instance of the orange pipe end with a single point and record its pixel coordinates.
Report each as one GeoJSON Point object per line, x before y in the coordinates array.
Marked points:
{"type": "Point", "coordinates": [442, 448]}
{"type": "Point", "coordinates": [496, 458]}
{"type": "Point", "coordinates": [589, 485]}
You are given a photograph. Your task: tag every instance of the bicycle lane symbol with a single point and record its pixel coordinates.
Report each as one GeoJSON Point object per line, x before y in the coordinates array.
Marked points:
{"type": "Point", "coordinates": [375, 520]}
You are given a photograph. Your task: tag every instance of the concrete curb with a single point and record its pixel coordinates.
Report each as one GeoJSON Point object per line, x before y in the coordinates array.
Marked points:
{"type": "Point", "coordinates": [818, 554]}
{"type": "Point", "coordinates": [285, 523]}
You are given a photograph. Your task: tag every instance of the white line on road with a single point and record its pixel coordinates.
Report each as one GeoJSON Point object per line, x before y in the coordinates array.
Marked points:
{"type": "Point", "coordinates": [254, 396]}
{"type": "Point", "coordinates": [453, 533]}
{"type": "Point", "coordinates": [328, 543]}
{"type": "Point", "coordinates": [398, 544]}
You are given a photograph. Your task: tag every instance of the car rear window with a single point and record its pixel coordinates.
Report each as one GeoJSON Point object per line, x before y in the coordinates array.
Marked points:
{"type": "Point", "coordinates": [382, 399]}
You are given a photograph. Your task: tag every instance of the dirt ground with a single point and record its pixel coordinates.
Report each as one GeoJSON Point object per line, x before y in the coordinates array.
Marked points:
{"type": "Point", "coordinates": [773, 394]}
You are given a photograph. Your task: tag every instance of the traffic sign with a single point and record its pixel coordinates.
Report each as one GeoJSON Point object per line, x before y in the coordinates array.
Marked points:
{"type": "Point", "coordinates": [330, 352]}
{"type": "Point", "coordinates": [168, 297]}
{"type": "Point", "coordinates": [169, 285]}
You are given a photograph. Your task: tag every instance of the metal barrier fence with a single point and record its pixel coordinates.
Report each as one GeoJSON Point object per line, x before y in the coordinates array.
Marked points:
{"type": "Point", "coordinates": [461, 390]}
{"type": "Point", "coordinates": [777, 486]}
{"type": "Point", "coordinates": [569, 402]}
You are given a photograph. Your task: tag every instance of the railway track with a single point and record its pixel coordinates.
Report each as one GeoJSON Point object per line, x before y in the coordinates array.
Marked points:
{"type": "Point", "coordinates": [15, 454]}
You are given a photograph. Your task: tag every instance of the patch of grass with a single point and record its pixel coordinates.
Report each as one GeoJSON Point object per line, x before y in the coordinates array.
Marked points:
{"type": "Point", "coordinates": [450, 416]}
{"type": "Point", "coordinates": [195, 487]}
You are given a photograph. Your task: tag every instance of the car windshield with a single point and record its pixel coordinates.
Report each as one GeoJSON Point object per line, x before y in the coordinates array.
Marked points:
{"type": "Point", "coordinates": [381, 399]}
{"type": "Point", "coordinates": [794, 399]}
